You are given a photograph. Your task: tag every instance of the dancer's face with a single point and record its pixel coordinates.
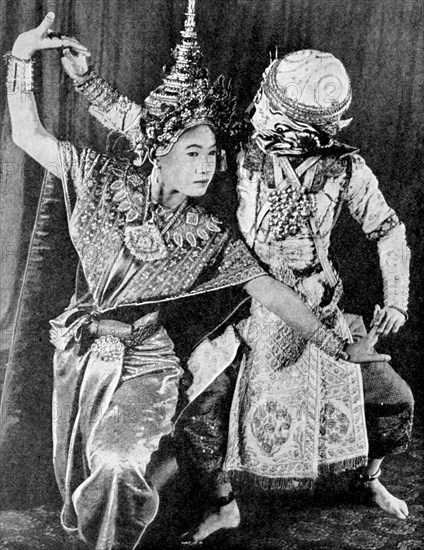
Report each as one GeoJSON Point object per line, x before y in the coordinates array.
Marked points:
{"type": "Point", "coordinates": [190, 165]}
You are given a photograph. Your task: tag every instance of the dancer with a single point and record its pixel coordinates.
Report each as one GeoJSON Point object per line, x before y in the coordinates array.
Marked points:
{"type": "Point", "coordinates": [294, 178]}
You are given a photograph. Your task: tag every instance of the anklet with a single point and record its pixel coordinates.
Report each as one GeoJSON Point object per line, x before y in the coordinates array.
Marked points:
{"type": "Point", "coordinates": [223, 501]}
{"type": "Point", "coordinates": [367, 478]}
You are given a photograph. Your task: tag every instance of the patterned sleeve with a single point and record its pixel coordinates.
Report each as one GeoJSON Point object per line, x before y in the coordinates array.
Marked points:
{"type": "Point", "coordinates": [77, 167]}
{"type": "Point", "coordinates": [114, 110]}
{"type": "Point", "coordinates": [379, 222]}
{"type": "Point", "coordinates": [366, 202]}
{"type": "Point", "coordinates": [89, 177]}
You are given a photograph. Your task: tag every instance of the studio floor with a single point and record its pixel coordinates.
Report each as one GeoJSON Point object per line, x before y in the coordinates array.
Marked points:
{"type": "Point", "coordinates": [328, 520]}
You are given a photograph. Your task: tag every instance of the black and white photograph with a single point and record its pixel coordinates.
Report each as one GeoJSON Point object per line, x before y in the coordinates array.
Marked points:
{"type": "Point", "coordinates": [211, 282]}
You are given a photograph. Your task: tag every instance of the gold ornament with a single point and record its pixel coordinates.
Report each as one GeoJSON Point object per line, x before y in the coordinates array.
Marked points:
{"type": "Point", "coordinates": [145, 242]}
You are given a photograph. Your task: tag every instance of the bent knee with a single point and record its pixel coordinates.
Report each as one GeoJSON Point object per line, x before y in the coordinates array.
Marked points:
{"type": "Point", "coordinates": [409, 396]}
{"type": "Point", "coordinates": [116, 464]}
{"type": "Point", "coordinates": [404, 394]}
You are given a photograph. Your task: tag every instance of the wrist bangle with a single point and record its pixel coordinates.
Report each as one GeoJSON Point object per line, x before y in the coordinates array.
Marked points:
{"type": "Point", "coordinates": [329, 342]}
{"type": "Point", "coordinates": [9, 55]}
{"type": "Point", "coordinates": [81, 80]}
{"type": "Point", "coordinates": [98, 92]}
{"type": "Point", "coordinates": [20, 74]}
{"type": "Point", "coordinates": [405, 313]}
{"type": "Point", "coordinates": [343, 354]}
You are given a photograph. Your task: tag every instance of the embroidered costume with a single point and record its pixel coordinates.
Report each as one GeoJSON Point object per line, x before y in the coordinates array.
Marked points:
{"type": "Point", "coordinates": [296, 411]}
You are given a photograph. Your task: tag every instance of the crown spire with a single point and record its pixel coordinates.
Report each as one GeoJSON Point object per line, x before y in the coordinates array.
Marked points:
{"type": "Point", "coordinates": [190, 22]}
{"type": "Point", "coordinates": [186, 98]}
{"type": "Point", "coordinates": [187, 66]}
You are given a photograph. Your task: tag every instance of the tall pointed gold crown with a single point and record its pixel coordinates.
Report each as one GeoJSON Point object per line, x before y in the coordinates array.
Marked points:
{"type": "Point", "coordinates": [186, 98]}
{"type": "Point", "coordinates": [186, 70]}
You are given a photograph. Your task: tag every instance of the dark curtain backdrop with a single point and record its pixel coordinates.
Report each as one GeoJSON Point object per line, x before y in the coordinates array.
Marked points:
{"type": "Point", "coordinates": [381, 44]}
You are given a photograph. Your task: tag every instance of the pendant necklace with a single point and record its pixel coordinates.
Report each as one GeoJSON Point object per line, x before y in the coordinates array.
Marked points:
{"type": "Point", "coordinates": [145, 241]}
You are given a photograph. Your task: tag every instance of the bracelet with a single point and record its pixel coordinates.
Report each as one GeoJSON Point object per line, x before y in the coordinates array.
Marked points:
{"type": "Point", "coordinates": [329, 342]}
{"type": "Point", "coordinates": [20, 74]}
{"type": "Point", "coordinates": [401, 311]}
{"type": "Point", "coordinates": [366, 478]}
{"type": "Point", "coordinates": [343, 354]}
{"type": "Point", "coordinates": [80, 80]}
{"type": "Point", "coordinates": [97, 91]}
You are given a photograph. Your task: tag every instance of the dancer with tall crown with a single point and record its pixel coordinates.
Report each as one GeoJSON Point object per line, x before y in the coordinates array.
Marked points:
{"type": "Point", "coordinates": [140, 241]}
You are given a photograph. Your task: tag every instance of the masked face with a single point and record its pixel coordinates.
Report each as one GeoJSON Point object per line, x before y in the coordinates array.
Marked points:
{"type": "Point", "coordinates": [263, 119]}
{"type": "Point", "coordinates": [190, 165]}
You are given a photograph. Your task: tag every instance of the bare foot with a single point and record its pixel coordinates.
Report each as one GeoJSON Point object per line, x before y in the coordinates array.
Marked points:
{"type": "Point", "coordinates": [386, 501]}
{"type": "Point", "coordinates": [226, 517]}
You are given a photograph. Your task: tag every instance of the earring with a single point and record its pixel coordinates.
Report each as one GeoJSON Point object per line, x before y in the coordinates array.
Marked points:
{"type": "Point", "coordinates": [223, 161]}
{"type": "Point", "coordinates": [156, 173]}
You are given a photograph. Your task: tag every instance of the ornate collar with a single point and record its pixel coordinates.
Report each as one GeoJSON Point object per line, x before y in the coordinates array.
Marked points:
{"type": "Point", "coordinates": [149, 229]}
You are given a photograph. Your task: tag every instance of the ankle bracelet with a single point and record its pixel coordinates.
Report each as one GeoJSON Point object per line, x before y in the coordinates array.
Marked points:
{"type": "Point", "coordinates": [366, 478]}
{"type": "Point", "coordinates": [223, 501]}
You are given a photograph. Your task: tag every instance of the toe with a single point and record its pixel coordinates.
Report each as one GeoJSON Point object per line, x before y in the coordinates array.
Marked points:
{"type": "Point", "coordinates": [189, 540]}
{"type": "Point", "coordinates": [399, 514]}
{"type": "Point", "coordinates": [404, 508]}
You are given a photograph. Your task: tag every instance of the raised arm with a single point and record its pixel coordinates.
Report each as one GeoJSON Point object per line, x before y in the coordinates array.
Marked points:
{"type": "Point", "coordinates": [284, 302]}
{"type": "Point", "coordinates": [27, 130]}
{"type": "Point", "coordinates": [114, 110]}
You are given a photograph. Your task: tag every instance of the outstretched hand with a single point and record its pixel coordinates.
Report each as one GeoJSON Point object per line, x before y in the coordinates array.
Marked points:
{"type": "Point", "coordinates": [42, 38]}
{"type": "Point", "coordinates": [362, 351]}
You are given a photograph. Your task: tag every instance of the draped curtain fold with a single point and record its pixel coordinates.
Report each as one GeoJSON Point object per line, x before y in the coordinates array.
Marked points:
{"type": "Point", "coordinates": [381, 44]}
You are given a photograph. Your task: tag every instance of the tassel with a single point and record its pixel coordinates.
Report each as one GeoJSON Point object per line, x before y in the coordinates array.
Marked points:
{"type": "Point", "coordinates": [272, 484]}
{"type": "Point", "coordinates": [296, 484]}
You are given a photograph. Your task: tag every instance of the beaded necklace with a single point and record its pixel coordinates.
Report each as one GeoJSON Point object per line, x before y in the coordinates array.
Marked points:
{"type": "Point", "coordinates": [292, 205]}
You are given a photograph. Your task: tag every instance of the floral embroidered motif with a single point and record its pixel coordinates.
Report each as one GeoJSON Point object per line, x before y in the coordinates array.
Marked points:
{"type": "Point", "coordinates": [270, 426]}
{"type": "Point", "coordinates": [145, 242]}
{"type": "Point", "coordinates": [334, 424]}
{"type": "Point", "coordinates": [108, 348]}
{"type": "Point", "coordinates": [194, 229]}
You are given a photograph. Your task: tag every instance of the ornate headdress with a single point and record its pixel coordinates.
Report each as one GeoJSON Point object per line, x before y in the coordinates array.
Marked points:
{"type": "Point", "coordinates": [310, 86]}
{"type": "Point", "coordinates": [187, 98]}
{"type": "Point", "coordinates": [300, 103]}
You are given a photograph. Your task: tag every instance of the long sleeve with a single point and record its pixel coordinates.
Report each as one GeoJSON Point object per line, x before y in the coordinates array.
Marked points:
{"type": "Point", "coordinates": [380, 223]}
{"type": "Point", "coordinates": [113, 110]}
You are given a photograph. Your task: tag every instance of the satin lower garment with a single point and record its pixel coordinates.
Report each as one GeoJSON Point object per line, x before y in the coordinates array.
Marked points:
{"type": "Point", "coordinates": [112, 418]}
